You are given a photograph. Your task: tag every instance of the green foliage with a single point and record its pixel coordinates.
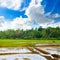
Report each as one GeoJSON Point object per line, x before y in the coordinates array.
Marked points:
{"type": "Point", "coordinates": [40, 33]}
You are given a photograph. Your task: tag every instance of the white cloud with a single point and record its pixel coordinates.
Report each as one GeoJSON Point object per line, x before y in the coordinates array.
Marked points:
{"type": "Point", "coordinates": [17, 23]}
{"type": "Point", "coordinates": [11, 4]}
{"type": "Point", "coordinates": [57, 24]}
{"type": "Point", "coordinates": [21, 23]}
{"type": "Point", "coordinates": [53, 16]}
{"type": "Point", "coordinates": [56, 15]}
{"type": "Point", "coordinates": [2, 23]}
{"type": "Point", "coordinates": [36, 12]}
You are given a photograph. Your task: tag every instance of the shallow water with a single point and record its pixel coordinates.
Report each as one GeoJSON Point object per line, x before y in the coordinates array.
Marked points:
{"type": "Point", "coordinates": [53, 50]}
{"type": "Point", "coordinates": [14, 50]}
{"type": "Point", "coordinates": [19, 56]}
{"type": "Point", "coordinates": [22, 56]}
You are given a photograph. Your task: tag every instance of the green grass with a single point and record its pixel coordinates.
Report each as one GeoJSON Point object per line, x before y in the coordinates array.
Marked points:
{"type": "Point", "coordinates": [25, 43]}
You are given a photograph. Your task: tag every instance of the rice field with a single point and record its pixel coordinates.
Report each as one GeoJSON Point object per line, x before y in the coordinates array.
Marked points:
{"type": "Point", "coordinates": [25, 43]}
{"type": "Point", "coordinates": [19, 49]}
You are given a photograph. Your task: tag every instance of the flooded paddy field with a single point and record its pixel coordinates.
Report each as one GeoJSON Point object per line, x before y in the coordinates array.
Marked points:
{"type": "Point", "coordinates": [19, 54]}
{"type": "Point", "coordinates": [14, 50]}
{"type": "Point", "coordinates": [22, 57]}
{"type": "Point", "coordinates": [51, 52]}
{"type": "Point", "coordinates": [30, 53]}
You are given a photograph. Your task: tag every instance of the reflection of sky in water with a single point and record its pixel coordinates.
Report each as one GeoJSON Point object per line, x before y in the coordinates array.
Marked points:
{"type": "Point", "coordinates": [14, 50]}
{"type": "Point", "coordinates": [21, 56]}
{"type": "Point", "coordinates": [54, 50]}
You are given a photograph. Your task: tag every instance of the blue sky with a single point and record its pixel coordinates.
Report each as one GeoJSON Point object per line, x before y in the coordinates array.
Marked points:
{"type": "Point", "coordinates": [52, 6]}
{"type": "Point", "coordinates": [33, 12]}
{"type": "Point", "coordinates": [11, 14]}
{"type": "Point", "coordinates": [14, 13]}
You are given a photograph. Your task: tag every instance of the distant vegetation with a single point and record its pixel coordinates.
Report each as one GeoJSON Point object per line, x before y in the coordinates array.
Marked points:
{"type": "Point", "coordinates": [38, 33]}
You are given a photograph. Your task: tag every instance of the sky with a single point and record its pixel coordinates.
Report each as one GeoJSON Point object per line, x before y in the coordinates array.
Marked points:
{"type": "Point", "coordinates": [28, 14]}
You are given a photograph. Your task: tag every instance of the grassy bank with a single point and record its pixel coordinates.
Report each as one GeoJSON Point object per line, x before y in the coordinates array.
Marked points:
{"type": "Point", "coordinates": [22, 43]}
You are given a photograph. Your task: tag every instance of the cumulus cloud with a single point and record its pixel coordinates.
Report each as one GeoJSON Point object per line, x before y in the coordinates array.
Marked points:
{"type": "Point", "coordinates": [1, 20]}
{"type": "Point", "coordinates": [11, 4]}
{"type": "Point", "coordinates": [56, 15]}
{"type": "Point", "coordinates": [2, 23]}
{"type": "Point", "coordinates": [49, 15]}
{"type": "Point", "coordinates": [57, 24]}
{"type": "Point", "coordinates": [36, 12]}
{"type": "Point", "coordinates": [20, 23]}
{"type": "Point", "coordinates": [17, 23]}
{"type": "Point", "coordinates": [52, 24]}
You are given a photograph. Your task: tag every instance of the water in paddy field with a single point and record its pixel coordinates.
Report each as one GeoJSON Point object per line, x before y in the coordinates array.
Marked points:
{"type": "Point", "coordinates": [27, 54]}
{"type": "Point", "coordinates": [53, 50]}
{"type": "Point", "coordinates": [21, 56]}
{"type": "Point", "coordinates": [14, 50]}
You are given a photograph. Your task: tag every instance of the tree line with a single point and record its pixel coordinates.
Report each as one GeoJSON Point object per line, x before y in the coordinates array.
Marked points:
{"type": "Point", "coordinates": [38, 33]}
